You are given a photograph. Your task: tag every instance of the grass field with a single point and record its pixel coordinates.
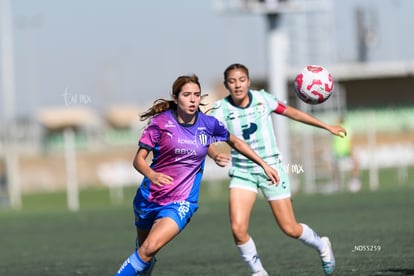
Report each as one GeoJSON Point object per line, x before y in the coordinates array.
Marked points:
{"type": "Point", "coordinates": [372, 234]}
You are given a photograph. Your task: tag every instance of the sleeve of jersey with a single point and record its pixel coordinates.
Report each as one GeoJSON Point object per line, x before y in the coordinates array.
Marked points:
{"type": "Point", "coordinates": [280, 108]}
{"type": "Point", "coordinates": [217, 112]}
{"type": "Point", "coordinates": [221, 133]}
{"type": "Point", "coordinates": [275, 104]}
{"type": "Point", "coordinates": [214, 110]}
{"type": "Point", "coordinates": [150, 136]}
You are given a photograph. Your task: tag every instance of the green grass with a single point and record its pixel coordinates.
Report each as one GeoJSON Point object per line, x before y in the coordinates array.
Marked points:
{"type": "Point", "coordinates": [45, 239]}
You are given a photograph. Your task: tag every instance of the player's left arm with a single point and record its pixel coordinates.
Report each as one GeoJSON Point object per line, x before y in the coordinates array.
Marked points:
{"type": "Point", "coordinates": [300, 116]}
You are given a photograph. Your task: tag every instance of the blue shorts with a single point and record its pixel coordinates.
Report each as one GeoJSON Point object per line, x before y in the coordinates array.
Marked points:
{"type": "Point", "coordinates": [259, 181]}
{"type": "Point", "coordinates": [147, 212]}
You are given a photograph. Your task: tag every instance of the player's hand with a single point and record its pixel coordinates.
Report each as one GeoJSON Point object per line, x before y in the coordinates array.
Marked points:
{"type": "Point", "coordinates": [272, 174]}
{"type": "Point", "coordinates": [160, 179]}
{"type": "Point", "coordinates": [338, 131]}
{"type": "Point", "coordinates": [221, 159]}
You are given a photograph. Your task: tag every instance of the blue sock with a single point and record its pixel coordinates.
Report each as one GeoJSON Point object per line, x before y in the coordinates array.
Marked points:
{"type": "Point", "coordinates": [132, 266]}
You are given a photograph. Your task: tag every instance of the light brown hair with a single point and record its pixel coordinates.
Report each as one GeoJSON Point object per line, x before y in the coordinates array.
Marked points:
{"type": "Point", "coordinates": [162, 105]}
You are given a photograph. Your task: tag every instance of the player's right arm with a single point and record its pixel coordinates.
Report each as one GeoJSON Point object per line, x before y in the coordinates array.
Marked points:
{"type": "Point", "coordinates": [141, 165]}
{"type": "Point", "coordinates": [221, 159]}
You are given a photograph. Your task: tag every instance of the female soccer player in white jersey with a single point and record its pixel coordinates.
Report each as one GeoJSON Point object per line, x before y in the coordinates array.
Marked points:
{"type": "Point", "coordinates": [178, 135]}
{"type": "Point", "coordinates": [247, 114]}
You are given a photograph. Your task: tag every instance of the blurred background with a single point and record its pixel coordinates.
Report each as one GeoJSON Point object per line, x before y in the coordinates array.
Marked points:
{"type": "Point", "coordinates": [75, 76]}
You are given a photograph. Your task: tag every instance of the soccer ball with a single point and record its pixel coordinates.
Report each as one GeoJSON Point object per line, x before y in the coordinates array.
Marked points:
{"type": "Point", "coordinates": [314, 84]}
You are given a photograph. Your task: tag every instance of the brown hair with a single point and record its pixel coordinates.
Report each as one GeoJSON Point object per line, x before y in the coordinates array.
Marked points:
{"type": "Point", "coordinates": [162, 105]}
{"type": "Point", "coordinates": [233, 67]}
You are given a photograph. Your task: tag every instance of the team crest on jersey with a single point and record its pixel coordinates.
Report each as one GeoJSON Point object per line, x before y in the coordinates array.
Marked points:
{"type": "Point", "coordinates": [202, 137]}
{"type": "Point", "coordinates": [260, 108]}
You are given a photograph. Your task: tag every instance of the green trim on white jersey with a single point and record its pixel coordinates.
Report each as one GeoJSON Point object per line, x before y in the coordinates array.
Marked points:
{"type": "Point", "coordinates": [253, 124]}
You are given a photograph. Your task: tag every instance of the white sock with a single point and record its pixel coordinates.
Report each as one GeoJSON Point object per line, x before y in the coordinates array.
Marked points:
{"type": "Point", "coordinates": [249, 254]}
{"type": "Point", "coordinates": [310, 238]}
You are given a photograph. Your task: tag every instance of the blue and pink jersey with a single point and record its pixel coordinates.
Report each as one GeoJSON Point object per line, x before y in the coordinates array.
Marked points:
{"type": "Point", "coordinates": [179, 151]}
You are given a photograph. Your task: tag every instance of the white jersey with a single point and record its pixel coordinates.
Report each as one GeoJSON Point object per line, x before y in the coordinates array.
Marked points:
{"type": "Point", "coordinates": [252, 124]}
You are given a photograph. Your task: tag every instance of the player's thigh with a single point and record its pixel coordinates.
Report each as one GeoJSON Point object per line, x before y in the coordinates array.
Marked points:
{"type": "Point", "coordinates": [162, 232]}
{"type": "Point", "coordinates": [241, 204]}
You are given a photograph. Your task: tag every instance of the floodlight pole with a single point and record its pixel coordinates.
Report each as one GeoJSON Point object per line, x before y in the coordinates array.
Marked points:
{"type": "Point", "coordinates": [71, 172]}
{"type": "Point", "coordinates": [8, 91]}
{"type": "Point", "coordinates": [7, 61]}
{"type": "Point", "coordinates": [278, 54]}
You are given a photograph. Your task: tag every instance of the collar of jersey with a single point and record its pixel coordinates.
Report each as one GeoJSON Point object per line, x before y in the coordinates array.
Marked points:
{"type": "Point", "coordinates": [182, 124]}
{"type": "Point", "coordinates": [249, 94]}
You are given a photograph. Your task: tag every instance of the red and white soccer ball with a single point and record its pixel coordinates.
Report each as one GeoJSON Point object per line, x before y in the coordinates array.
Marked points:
{"type": "Point", "coordinates": [314, 84]}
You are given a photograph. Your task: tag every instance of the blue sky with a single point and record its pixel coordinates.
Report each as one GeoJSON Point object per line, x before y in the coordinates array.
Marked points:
{"type": "Point", "coordinates": [128, 51]}
{"type": "Point", "coordinates": [124, 51]}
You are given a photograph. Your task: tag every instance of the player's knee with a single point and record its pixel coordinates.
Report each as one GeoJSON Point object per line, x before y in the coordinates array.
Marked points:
{"type": "Point", "coordinates": [239, 231]}
{"type": "Point", "coordinates": [292, 230]}
{"type": "Point", "coordinates": [148, 249]}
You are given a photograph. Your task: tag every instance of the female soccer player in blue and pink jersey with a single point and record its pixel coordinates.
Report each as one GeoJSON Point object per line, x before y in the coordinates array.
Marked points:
{"type": "Point", "coordinates": [178, 135]}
